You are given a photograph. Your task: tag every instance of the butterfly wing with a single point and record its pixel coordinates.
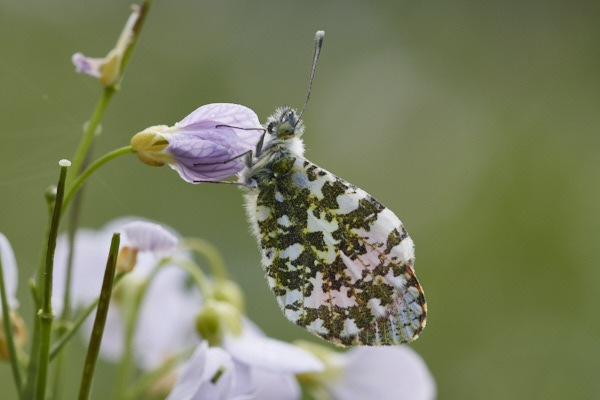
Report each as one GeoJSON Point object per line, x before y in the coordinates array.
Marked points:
{"type": "Point", "coordinates": [338, 261]}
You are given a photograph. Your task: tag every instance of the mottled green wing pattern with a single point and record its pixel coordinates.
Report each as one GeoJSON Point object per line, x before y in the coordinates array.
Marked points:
{"type": "Point", "coordinates": [338, 261]}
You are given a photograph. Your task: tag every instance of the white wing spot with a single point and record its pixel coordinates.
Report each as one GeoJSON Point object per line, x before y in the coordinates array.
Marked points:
{"type": "Point", "coordinates": [317, 326]}
{"type": "Point", "coordinates": [376, 308]}
{"type": "Point", "coordinates": [284, 221]}
{"type": "Point", "coordinates": [348, 202]}
{"type": "Point", "coordinates": [292, 252]}
{"type": "Point", "coordinates": [262, 213]}
{"type": "Point", "coordinates": [403, 252]}
{"type": "Point", "coordinates": [350, 328]}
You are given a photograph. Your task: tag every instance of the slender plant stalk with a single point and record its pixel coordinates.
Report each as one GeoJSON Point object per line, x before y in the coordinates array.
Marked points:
{"type": "Point", "coordinates": [36, 289]}
{"type": "Point", "coordinates": [10, 338]}
{"type": "Point", "coordinates": [59, 366]}
{"type": "Point", "coordinates": [100, 321]}
{"type": "Point", "coordinates": [46, 315]}
{"type": "Point", "coordinates": [196, 274]}
{"type": "Point", "coordinates": [88, 135]}
{"type": "Point", "coordinates": [74, 187]}
{"type": "Point", "coordinates": [210, 254]}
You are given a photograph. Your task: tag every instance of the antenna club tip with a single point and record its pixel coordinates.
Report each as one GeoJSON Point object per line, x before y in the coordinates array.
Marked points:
{"type": "Point", "coordinates": [319, 35]}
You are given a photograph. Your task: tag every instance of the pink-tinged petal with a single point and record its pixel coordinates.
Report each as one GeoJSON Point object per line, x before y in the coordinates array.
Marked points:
{"type": "Point", "coordinates": [108, 69]}
{"type": "Point", "coordinates": [147, 236]}
{"type": "Point", "coordinates": [196, 379]}
{"type": "Point", "coordinates": [384, 373]}
{"type": "Point", "coordinates": [9, 270]}
{"type": "Point", "coordinates": [88, 65]}
{"type": "Point", "coordinates": [257, 350]}
{"type": "Point", "coordinates": [229, 114]}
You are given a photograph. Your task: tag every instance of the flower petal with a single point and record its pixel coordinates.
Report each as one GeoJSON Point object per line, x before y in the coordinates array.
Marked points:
{"type": "Point", "coordinates": [9, 269]}
{"type": "Point", "coordinates": [394, 373]}
{"type": "Point", "coordinates": [257, 350]}
{"type": "Point", "coordinates": [148, 236]}
{"type": "Point", "coordinates": [270, 385]}
{"type": "Point", "coordinates": [216, 154]}
{"type": "Point", "coordinates": [229, 114]}
{"type": "Point", "coordinates": [196, 380]}
{"type": "Point", "coordinates": [88, 65]}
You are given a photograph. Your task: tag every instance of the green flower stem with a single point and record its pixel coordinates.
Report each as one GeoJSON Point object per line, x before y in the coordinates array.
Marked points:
{"type": "Point", "coordinates": [10, 339]}
{"type": "Point", "coordinates": [88, 135]}
{"type": "Point", "coordinates": [74, 327]}
{"type": "Point", "coordinates": [45, 314]}
{"type": "Point", "coordinates": [91, 169]}
{"type": "Point", "coordinates": [210, 254]}
{"type": "Point", "coordinates": [36, 288]}
{"type": "Point", "coordinates": [100, 321]}
{"type": "Point", "coordinates": [144, 9]}
{"type": "Point", "coordinates": [197, 275]}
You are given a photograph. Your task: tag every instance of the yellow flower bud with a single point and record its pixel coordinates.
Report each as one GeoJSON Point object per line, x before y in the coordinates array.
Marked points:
{"type": "Point", "coordinates": [149, 145]}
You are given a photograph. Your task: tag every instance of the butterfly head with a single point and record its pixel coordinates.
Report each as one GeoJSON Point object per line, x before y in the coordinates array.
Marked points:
{"type": "Point", "coordinates": [284, 124]}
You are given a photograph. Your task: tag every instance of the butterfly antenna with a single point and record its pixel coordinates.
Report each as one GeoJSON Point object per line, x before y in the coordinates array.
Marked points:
{"type": "Point", "coordinates": [318, 44]}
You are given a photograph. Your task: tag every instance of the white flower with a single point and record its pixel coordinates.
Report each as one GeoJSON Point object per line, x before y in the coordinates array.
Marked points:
{"type": "Point", "coordinates": [9, 272]}
{"type": "Point", "coordinates": [208, 375]}
{"type": "Point", "coordinates": [257, 367]}
{"type": "Point", "coordinates": [165, 325]}
{"type": "Point", "coordinates": [383, 373]}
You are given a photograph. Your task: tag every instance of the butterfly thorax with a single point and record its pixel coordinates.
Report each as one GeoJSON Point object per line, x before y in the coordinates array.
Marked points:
{"type": "Point", "coordinates": [276, 152]}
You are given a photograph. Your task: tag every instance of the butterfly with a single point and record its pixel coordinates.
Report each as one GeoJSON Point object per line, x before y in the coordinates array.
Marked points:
{"type": "Point", "coordinates": [340, 263]}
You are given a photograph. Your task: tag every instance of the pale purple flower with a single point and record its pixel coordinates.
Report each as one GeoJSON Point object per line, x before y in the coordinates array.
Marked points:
{"type": "Point", "coordinates": [165, 325]}
{"type": "Point", "coordinates": [204, 145]}
{"type": "Point", "coordinates": [383, 373]}
{"type": "Point", "coordinates": [88, 65]}
{"type": "Point", "coordinates": [107, 69]}
{"type": "Point", "coordinates": [9, 270]}
{"type": "Point", "coordinates": [148, 236]}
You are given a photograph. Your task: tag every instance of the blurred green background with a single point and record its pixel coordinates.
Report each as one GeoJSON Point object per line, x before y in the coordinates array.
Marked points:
{"type": "Point", "coordinates": [476, 122]}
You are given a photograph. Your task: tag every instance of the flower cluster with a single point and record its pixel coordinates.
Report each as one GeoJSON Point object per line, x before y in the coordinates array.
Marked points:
{"type": "Point", "coordinates": [171, 321]}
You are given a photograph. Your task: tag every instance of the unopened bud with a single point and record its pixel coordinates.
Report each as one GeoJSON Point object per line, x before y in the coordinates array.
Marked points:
{"type": "Point", "coordinates": [19, 334]}
{"type": "Point", "coordinates": [126, 260]}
